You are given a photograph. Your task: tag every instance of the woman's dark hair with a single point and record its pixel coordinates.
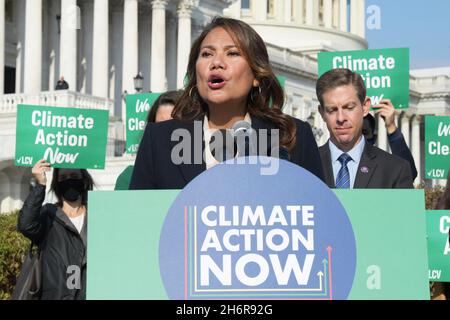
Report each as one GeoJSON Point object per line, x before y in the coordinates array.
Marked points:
{"type": "Point", "coordinates": [444, 200]}
{"type": "Point", "coordinates": [169, 97]}
{"type": "Point", "coordinates": [88, 185]}
{"type": "Point", "coordinates": [264, 102]}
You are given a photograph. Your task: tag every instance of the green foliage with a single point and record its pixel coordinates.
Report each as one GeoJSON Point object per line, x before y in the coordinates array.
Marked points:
{"type": "Point", "coordinates": [13, 246]}
{"type": "Point", "coordinates": [432, 196]}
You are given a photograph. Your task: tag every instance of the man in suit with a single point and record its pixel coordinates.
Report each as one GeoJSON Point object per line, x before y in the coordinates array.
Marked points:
{"type": "Point", "coordinates": [348, 160]}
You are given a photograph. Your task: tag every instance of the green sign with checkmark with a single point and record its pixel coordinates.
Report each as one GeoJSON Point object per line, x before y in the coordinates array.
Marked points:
{"type": "Point", "coordinates": [437, 147]}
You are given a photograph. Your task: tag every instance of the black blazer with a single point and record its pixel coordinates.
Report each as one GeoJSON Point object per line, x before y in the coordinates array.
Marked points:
{"type": "Point", "coordinates": [154, 168]}
{"type": "Point", "coordinates": [384, 170]}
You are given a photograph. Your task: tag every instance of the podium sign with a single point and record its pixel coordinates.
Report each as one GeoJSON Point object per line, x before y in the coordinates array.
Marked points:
{"type": "Point", "coordinates": [257, 240]}
{"type": "Point", "coordinates": [438, 229]}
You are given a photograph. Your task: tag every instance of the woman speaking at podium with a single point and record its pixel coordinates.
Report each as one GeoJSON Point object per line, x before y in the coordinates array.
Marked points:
{"type": "Point", "coordinates": [229, 79]}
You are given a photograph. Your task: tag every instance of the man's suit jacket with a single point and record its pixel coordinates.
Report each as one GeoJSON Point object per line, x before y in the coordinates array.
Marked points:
{"type": "Point", "coordinates": [154, 168]}
{"type": "Point", "coordinates": [377, 169]}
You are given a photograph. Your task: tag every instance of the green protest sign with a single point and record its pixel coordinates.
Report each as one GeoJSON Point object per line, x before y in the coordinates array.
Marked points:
{"type": "Point", "coordinates": [138, 106]}
{"type": "Point", "coordinates": [385, 72]}
{"type": "Point", "coordinates": [124, 256]}
{"type": "Point", "coordinates": [437, 146]}
{"type": "Point", "coordinates": [438, 226]}
{"type": "Point", "coordinates": [282, 81]}
{"type": "Point", "coordinates": [65, 137]}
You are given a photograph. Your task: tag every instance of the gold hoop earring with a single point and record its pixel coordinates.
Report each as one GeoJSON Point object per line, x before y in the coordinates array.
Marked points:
{"type": "Point", "coordinates": [251, 94]}
{"type": "Point", "coordinates": [190, 93]}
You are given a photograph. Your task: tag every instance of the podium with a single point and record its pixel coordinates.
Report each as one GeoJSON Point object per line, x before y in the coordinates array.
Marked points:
{"type": "Point", "coordinates": [151, 244]}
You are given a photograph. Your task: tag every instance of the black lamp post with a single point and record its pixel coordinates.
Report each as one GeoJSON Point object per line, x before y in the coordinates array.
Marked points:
{"type": "Point", "coordinates": [138, 82]}
{"type": "Point", "coordinates": [58, 22]}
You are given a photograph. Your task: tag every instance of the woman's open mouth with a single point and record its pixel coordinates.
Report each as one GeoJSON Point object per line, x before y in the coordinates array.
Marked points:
{"type": "Point", "coordinates": [216, 82]}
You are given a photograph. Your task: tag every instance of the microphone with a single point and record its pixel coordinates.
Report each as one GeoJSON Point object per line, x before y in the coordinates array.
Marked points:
{"type": "Point", "coordinates": [245, 138]}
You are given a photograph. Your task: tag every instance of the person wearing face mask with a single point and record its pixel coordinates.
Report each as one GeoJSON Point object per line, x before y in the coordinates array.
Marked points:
{"type": "Point", "coordinates": [59, 230]}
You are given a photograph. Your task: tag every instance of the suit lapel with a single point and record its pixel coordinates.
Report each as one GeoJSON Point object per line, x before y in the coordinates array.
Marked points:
{"type": "Point", "coordinates": [327, 166]}
{"type": "Point", "coordinates": [197, 164]}
{"type": "Point", "coordinates": [258, 125]}
{"type": "Point", "coordinates": [366, 168]}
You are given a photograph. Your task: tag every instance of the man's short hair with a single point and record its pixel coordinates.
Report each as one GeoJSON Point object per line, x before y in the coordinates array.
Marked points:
{"type": "Point", "coordinates": [337, 78]}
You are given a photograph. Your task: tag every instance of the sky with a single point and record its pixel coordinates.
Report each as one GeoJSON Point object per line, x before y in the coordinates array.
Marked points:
{"type": "Point", "coordinates": [421, 25]}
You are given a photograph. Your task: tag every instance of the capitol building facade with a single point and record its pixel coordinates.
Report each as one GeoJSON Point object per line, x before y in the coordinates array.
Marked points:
{"type": "Point", "coordinates": [99, 46]}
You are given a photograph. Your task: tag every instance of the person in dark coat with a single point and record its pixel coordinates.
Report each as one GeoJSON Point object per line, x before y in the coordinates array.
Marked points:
{"type": "Point", "coordinates": [62, 84]}
{"type": "Point", "coordinates": [59, 230]}
{"type": "Point", "coordinates": [230, 80]}
{"type": "Point", "coordinates": [395, 137]}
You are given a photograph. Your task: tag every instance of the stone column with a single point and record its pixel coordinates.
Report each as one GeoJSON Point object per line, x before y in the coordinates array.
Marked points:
{"type": "Point", "coordinates": [312, 12]}
{"type": "Point", "coordinates": [405, 128]}
{"type": "Point", "coordinates": [33, 47]}
{"type": "Point", "coordinates": [328, 13]}
{"type": "Point", "coordinates": [361, 18]}
{"type": "Point", "coordinates": [2, 46]}
{"type": "Point", "coordinates": [158, 77]}
{"type": "Point", "coordinates": [298, 12]}
{"type": "Point", "coordinates": [259, 10]}
{"type": "Point", "coordinates": [130, 47]}
{"type": "Point", "coordinates": [68, 42]}
{"type": "Point", "coordinates": [415, 143]}
{"type": "Point", "coordinates": [234, 10]}
{"type": "Point", "coordinates": [100, 54]}
{"type": "Point", "coordinates": [354, 19]}
{"type": "Point", "coordinates": [184, 40]}
{"type": "Point", "coordinates": [287, 11]}
{"type": "Point", "coordinates": [343, 15]}
{"type": "Point", "coordinates": [336, 14]}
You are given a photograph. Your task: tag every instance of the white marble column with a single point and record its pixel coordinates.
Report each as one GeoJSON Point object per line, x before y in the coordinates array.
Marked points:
{"type": "Point", "coordinates": [343, 15]}
{"type": "Point", "coordinates": [328, 13]}
{"type": "Point", "coordinates": [234, 10]}
{"type": "Point", "coordinates": [68, 43]}
{"type": "Point", "coordinates": [278, 10]}
{"type": "Point", "coordinates": [336, 14]}
{"type": "Point", "coordinates": [415, 145]}
{"type": "Point", "coordinates": [19, 14]}
{"type": "Point", "coordinates": [405, 128]}
{"type": "Point", "coordinates": [382, 134]}
{"type": "Point", "coordinates": [158, 77]}
{"type": "Point", "coordinates": [361, 18]}
{"type": "Point", "coordinates": [312, 12]}
{"type": "Point", "coordinates": [259, 10]}
{"type": "Point", "coordinates": [100, 54]}
{"type": "Point", "coordinates": [354, 20]}
{"type": "Point", "coordinates": [130, 47]}
{"type": "Point", "coordinates": [298, 12]}
{"type": "Point", "coordinates": [287, 11]}
{"type": "Point", "coordinates": [2, 46]}
{"type": "Point", "coordinates": [33, 47]}
{"type": "Point", "coordinates": [184, 40]}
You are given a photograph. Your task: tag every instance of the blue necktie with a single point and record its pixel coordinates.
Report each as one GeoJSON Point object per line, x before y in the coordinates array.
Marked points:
{"type": "Point", "coordinates": [343, 177]}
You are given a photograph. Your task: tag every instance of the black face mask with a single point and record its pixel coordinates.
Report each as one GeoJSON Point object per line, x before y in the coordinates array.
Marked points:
{"type": "Point", "coordinates": [72, 189]}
